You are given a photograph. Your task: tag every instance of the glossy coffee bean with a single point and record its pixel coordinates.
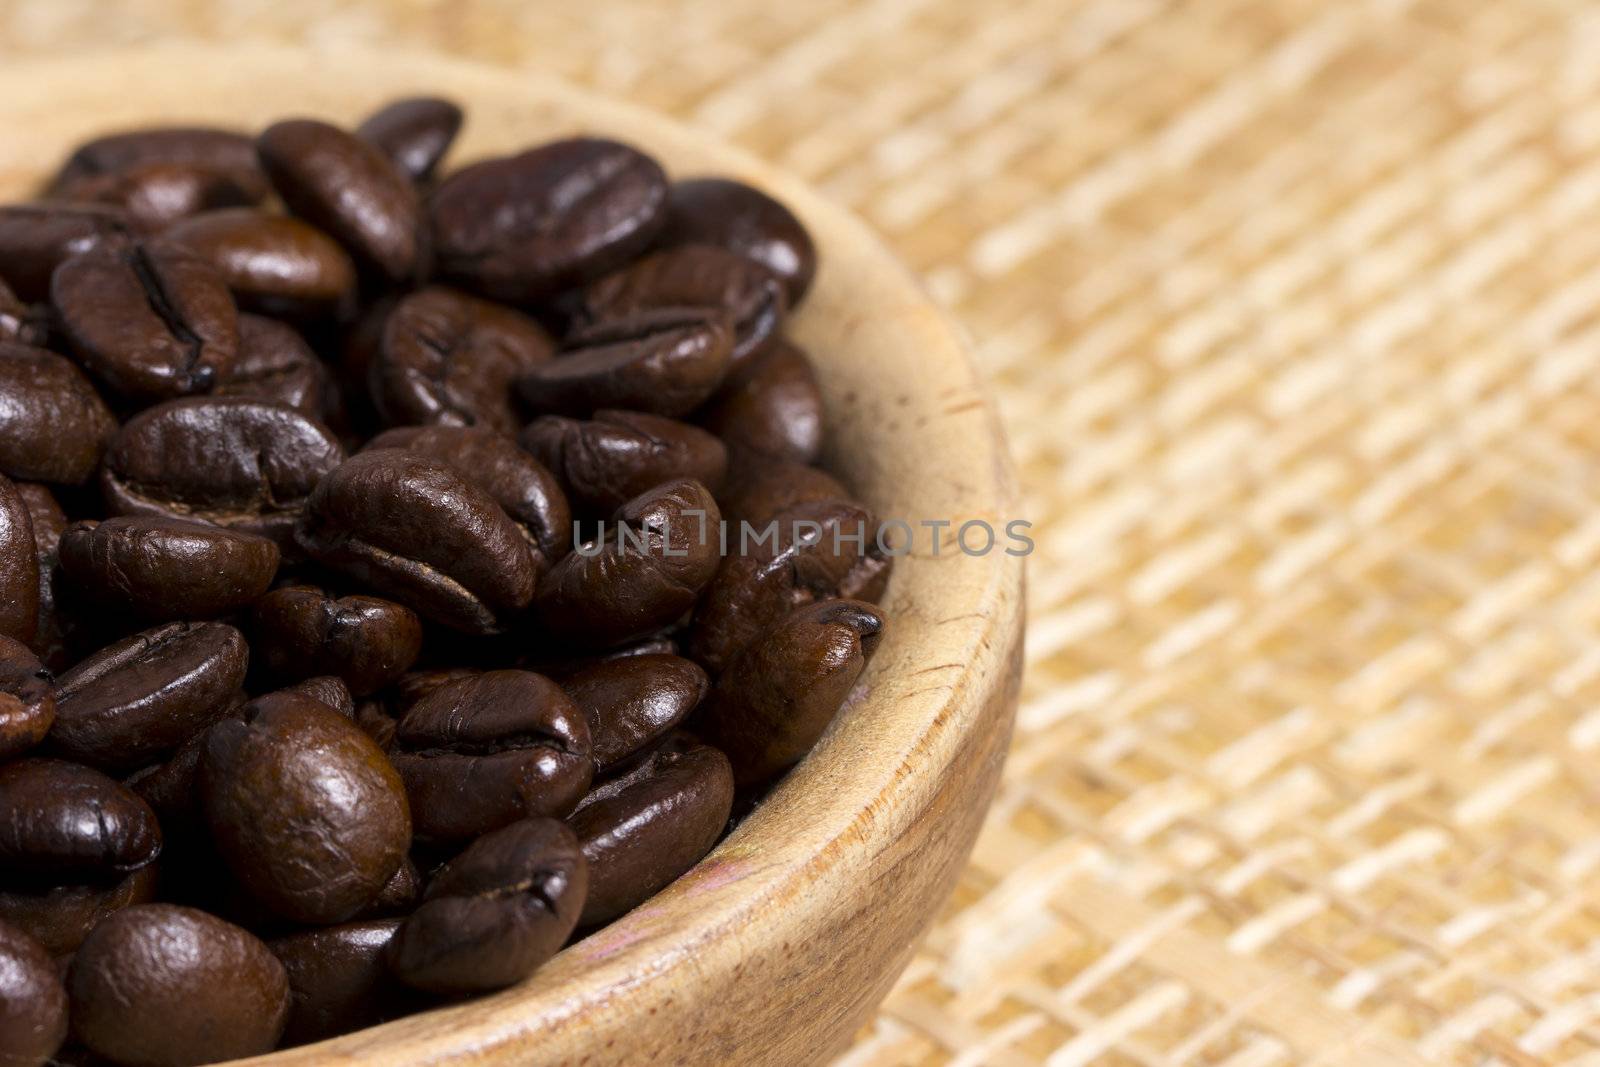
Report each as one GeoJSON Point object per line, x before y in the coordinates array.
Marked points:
{"type": "Point", "coordinates": [65, 823]}
{"type": "Point", "coordinates": [779, 694]}
{"type": "Point", "coordinates": [33, 1004]}
{"type": "Point", "coordinates": [233, 461]}
{"type": "Point", "coordinates": [347, 187]}
{"type": "Point", "coordinates": [642, 833]}
{"type": "Point", "coordinates": [19, 567]}
{"type": "Point", "coordinates": [328, 689]}
{"type": "Point", "coordinates": [631, 702]}
{"type": "Point", "coordinates": [59, 917]}
{"type": "Point", "coordinates": [367, 642]}
{"type": "Point", "coordinates": [155, 195]}
{"type": "Point", "coordinates": [609, 460]}
{"type": "Point", "coordinates": [49, 522]}
{"type": "Point", "coordinates": [772, 406]}
{"type": "Point", "coordinates": [19, 323]}
{"type": "Point", "coordinates": [151, 324]}
{"type": "Point", "coordinates": [220, 151]}
{"type": "Point", "coordinates": [481, 752]}
{"type": "Point", "coordinates": [35, 239]}
{"type": "Point", "coordinates": [554, 661]}
{"type": "Point", "coordinates": [53, 424]}
{"type": "Point", "coordinates": [522, 227]}
{"type": "Point", "coordinates": [742, 219]}
{"type": "Point", "coordinates": [338, 979]}
{"type": "Point", "coordinates": [696, 276]}
{"type": "Point", "coordinates": [420, 533]}
{"type": "Point", "coordinates": [168, 986]}
{"type": "Point", "coordinates": [446, 358]}
{"type": "Point", "coordinates": [304, 808]}
{"type": "Point", "coordinates": [657, 553]}
{"type": "Point", "coordinates": [415, 133]}
{"type": "Point", "coordinates": [495, 912]}
{"type": "Point", "coordinates": [160, 568]}
{"type": "Point", "coordinates": [399, 894]}
{"type": "Point", "coordinates": [276, 366]}
{"type": "Point", "coordinates": [758, 488]}
{"type": "Point", "coordinates": [27, 699]}
{"type": "Point", "coordinates": [273, 264]}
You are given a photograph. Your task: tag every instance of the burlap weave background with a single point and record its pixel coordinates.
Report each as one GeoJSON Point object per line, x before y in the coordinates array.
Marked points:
{"type": "Point", "coordinates": [1293, 310]}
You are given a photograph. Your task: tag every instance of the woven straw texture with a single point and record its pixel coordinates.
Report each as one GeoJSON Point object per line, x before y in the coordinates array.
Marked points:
{"type": "Point", "coordinates": [1291, 309]}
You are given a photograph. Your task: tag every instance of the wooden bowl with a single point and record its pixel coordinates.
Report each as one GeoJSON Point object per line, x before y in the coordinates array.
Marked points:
{"type": "Point", "coordinates": [780, 944]}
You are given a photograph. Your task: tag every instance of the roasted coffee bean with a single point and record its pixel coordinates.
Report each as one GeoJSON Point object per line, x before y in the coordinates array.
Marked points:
{"type": "Point", "coordinates": [696, 276]}
{"type": "Point", "coordinates": [27, 701]}
{"type": "Point", "coordinates": [330, 690]}
{"type": "Point", "coordinates": [414, 685]}
{"type": "Point", "coordinates": [276, 366]}
{"type": "Point", "coordinates": [776, 698]}
{"type": "Point", "coordinates": [666, 362]}
{"type": "Point", "coordinates": [160, 568]}
{"type": "Point", "coordinates": [273, 264]}
{"type": "Point", "coordinates": [399, 894]}
{"type": "Point", "coordinates": [349, 188]}
{"type": "Point", "coordinates": [376, 722]}
{"type": "Point", "coordinates": [446, 358]}
{"type": "Point", "coordinates": [49, 522]}
{"type": "Point", "coordinates": [771, 406]}
{"type": "Point", "coordinates": [422, 534]}
{"type": "Point", "coordinates": [495, 912]}
{"type": "Point", "coordinates": [481, 752]}
{"type": "Point", "coordinates": [662, 821]}
{"type": "Point", "coordinates": [367, 642]}
{"type": "Point", "coordinates": [166, 986]}
{"type": "Point", "coordinates": [155, 195]}
{"type": "Point", "coordinates": [139, 699]}
{"type": "Point", "coordinates": [524, 226]}
{"type": "Point", "coordinates": [60, 917]}
{"type": "Point", "coordinates": [609, 460]}
{"type": "Point", "coordinates": [553, 661]}
{"type": "Point", "coordinates": [415, 133]}
{"type": "Point", "coordinates": [633, 701]}
{"type": "Point", "coordinates": [19, 323]}
{"type": "Point", "coordinates": [523, 488]}
{"type": "Point", "coordinates": [757, 489]}
{"type": "Point", "coordinates": [224, 152]}
{"type": "Point", "coordinates": [735, 216]}
{"type": "Point", "coordinates": [69, 823]}
{"type": "Point", "coordinates": [35, 239]}
{"type": "Point", "coordinates": [653, 558]}
{"type": "Point", "coordinates": [151, 324]}
{"type": "Point", "coordinates": [19, 567]}
{"type": "Point", "coordinates": [33, 1004]}
{"type": "Point", "coordinates": [53, 425]}
{"type": "Point", "coordinates": [304, 808]}
{"type": "Point", "coordinates": [338, 979]}
{"type": "Point", "coordinates": [232, 461]}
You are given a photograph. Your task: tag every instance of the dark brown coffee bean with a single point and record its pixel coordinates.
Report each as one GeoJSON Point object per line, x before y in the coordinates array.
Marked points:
{"type": "Point", "coordinates": [19, 323]}
{"type": "Point", "coordinates": [232, 461]}
{"type": "Point", "coordinates": [696, 276]}
{"type": "Point", "coordinates": [165, 986]}
{"type": "Point", "coordinates": [666, 362]}
{"type": "Point", "coordinates": [376, 722]}
{"type": "Point", "coordinates": [758, 488]}
{"type": "Point", "coordinates": [495, 912]}
{"type": "Point", "coordinates": [415, 133]}
{"type": "Point", "coordinates": [349, 188]}
{"type": "Point", "coordinates": [422, 534]}
{"type": "Point", "coordinates": [654, 556]}
{"type": "Point", "coordinates": [70, 823]}
{"type": "Point", "coordinates": [553, 661]}
{"type": "Point", "coordinates": [605, 462]}
{"type": "Point", "coordinates": [484, 751]}
{"type": "Point", "coordinates": [773, 702]}
{"type": "Point", "coordinates": [338, 979]}
{"type": "Point", "coordinates": [35, 239]}
{"type": "Point", "coordinates": [33, 1004]}
{"type": "Point", "coordinates": [300, 631]}
{"type": "Point", "coordinates": [155, 195]}
{"type": "Point", "coordinates": [304, 808]}
{"type": "Point", "coordinates": [27, 701]}
{"type": "Point", "coordinates": [49, 522]}
{"type": "Point", "coordinates": [60, 917]}
{"type": "Point", "coordinates": [642, 836]}
{"type": "Point", "coordinates": [53, 425]}
{"type": "Point", "coordinates": [134, 701]}
{"type": "Point", "coordinates": [446, 358]}
{"type": "Point", "coordinates": [273, 264]}
{"type": "Point", "coordinates": [19, 567]}
{"type": "Point", "coordinates": [225, 152]}
{"type": "Point", "coordinates": [732, 215]}
{"type": "Point", "coordinates": [276, 366]}
{"type": "Point", "coordinates": [633, 701]}
{"type": "Point", "coordinates": [330, 690]}
{"type": "Point", "coordinates": [160, 568]}
{"type": "Point", "coordinates": [523, 488]}
{"type": "Point", "coordinates": [151, 324]}
{"type": "Point", "coordinates": [398, 896]}
{"type": "Point", "coordinates": [771, 406]}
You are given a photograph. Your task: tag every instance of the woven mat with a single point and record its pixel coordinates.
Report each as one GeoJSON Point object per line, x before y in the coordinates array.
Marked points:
{"type": "Point", "coordinates": [1291, 306]}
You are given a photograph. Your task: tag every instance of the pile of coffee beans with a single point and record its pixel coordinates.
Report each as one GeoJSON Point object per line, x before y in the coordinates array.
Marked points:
{"type": "Point", "coordinates": [378, 605]}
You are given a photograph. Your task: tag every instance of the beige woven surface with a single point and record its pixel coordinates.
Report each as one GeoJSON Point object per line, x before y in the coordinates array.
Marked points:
{"type": "Point", "coordinates": [1293, 310]}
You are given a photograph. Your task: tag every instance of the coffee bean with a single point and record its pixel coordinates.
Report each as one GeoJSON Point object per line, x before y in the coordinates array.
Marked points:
{"type": "Point", "coordinates": [71, 823]}
{"type": "Point", "coordinates": [399, 894]}
{"type": "Point", "coordinates": [19, 323]}
{"type": "Point", "coordinates": [445, 358]}
{"type": "Point", "coordinates": [772, 406]}
{"type": "Point", "coordinates": [304, 808]}
{"type": "Point", "coordinates": [415, 133]}
{"type": "Point", "coordinates": [758, 488]}
{"type": "Point", "coordinates": [150, 323]}
{"type": "Point", "coordinates": [155, 195]}
{"type": "Point", "coordinates": [665, 362]}
{"type": "Point", "coordinates": [773, 702]}
{"type": "Point", "coordinates": [330, 690]}
{"type": "Point", "coordinates": [224, 152]}
{"type": "Point", "coordinates": [167, 986]}
{"type": "Point", "coordinates": [367, 642]}
{"type": "Point", "coordinates": [524, 226]}
{"type": "Point", "coordinates": [644, 833]}
{"type": "Point", "coordinates": [160, 568]}
{"type": "Point", "coordinates": [605, 462]}
{"type": "Point", "coordinates": [559, 663]}
{"type": "Point", "coordinates": [139, 699]}
{"type": "Point", "coordinates": [376, 722]}
{"type": "Point", "coordinates": [60, 917]}
{"type": "Point", "coordinates": [422, 534]}
{"type": "Point", "coordinates": [273, 264]}
{"type": "Point", "coordinates": [338, 979]}
{"type": "Point", "coordinates": [735, 216]}
{"type": "Point", "coordinates": [633, 701]}
{"type": "Point", "coordinates": [35, 239]}
{"type": "Point", "coordinates": [53, 425]}
{"type": "Point", "coordinates": [483, 751]}
{"type": "Point", "coordinates": [19, 567]}
{"type": "Point", "coordinates": [27, 700]}
{"type": "Point", "coordinates": [33, 1004]}
{"type": "Point", "coordinates": [49, 522]}
{"type": "Point", "coordinates": [349, 188]}
{"type": "Point", "coordinates": [276, 366]}
{"type": "Point", "coordinates": [495, 912]}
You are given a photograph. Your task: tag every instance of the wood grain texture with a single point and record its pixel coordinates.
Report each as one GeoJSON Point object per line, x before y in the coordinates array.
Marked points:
{"type": "Point", "coordinates": [777, 946]}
